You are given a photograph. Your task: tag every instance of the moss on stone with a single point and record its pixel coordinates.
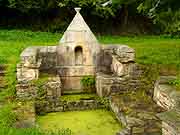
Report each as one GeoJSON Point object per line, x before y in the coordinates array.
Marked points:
{"type": "Point", "coordinates": [77, 97]}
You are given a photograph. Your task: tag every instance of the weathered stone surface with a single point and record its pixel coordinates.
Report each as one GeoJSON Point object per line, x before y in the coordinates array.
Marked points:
{"type": "Point", "coordinates": [170, 122]}
{"type": "Point", "coordinates": [104, 61]}
{"type": "Point", "coordinates": [166, 95]}
{"type": "Point", "coordinates": [117, 67]}
{"type": "Point", "coordinates": [79, 34]}
{"type": "Point", "coordinates": [29, 56]}
{"type": "Point", "coordinates": [139, 115]}
{"type": "Point", "coordinates": [26, 91]}
{"type": "Point", "coordinates": [62, 106]}
{"type": "Point", "coordinates": [53, 87]}
{"type": "Point", "coordinates": [48, 57]}
{"type": "Point", "coordinates": [26, 74]}
{"type": "Point", "coordinates": [77, 53]}
{"type": "Point", "coordinates": [25, 113]}
{"type": "Point", "coordinates": [28, 68]}
{"type": "Point", "coordinates": [123, 53]}
{"type": "Point", "coordinates": [125, 131]}
{"type": "Point", "coordinates": [107, 84]}
{"type": "Point", "coordinates": [118, 113]}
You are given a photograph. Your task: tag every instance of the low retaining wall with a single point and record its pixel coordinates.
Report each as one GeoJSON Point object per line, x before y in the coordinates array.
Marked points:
{"type": "Point", "coordinates": [170, 122]}
{"type": "Point", "coordinates": [168, 98]}
{"type": "Point", "coordinates": [136, 122]}
{"type": "Point", "coordinates": [63, 106]}
{"type": "Point", "coordinates": [164, 94]}
{"type": "Point", "coordinates": [135, 79]}
{"type": "Point", "coordinates": [25, 115]}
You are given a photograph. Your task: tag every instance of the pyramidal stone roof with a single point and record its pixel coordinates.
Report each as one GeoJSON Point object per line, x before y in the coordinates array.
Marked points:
{"type": "Point", "coordinates": [78, 25]}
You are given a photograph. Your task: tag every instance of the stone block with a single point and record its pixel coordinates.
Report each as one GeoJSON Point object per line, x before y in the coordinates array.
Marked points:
{"type": "Point", "coordinates": [170, 122]}
{"type": "Point", "coordinates": [166, 95]}
{"type": "Point", "coordinates": [123, 53]}
{"type": "Point", "coordinates": [107, 84]}
{"type": "Point", "coordinates": [29, 56]}
{"type": "Point", "coordinates": [48, 57]}
{"type": "Point", "coordinates": [26, 91]}
{"type": "Point", "coordinates": [53, 87]}
{"type": "Point", "coordinates": [26, 74]}
{"type": "Point", "coordinates": [26, 116]}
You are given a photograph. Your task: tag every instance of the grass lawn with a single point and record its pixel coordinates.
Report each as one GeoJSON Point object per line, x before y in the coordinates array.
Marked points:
{"type": "Point", "coordinates": [94, 122]}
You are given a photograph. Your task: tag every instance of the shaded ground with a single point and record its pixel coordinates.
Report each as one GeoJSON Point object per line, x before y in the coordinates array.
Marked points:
{"type": "Point", "coordinates": [94, 122]}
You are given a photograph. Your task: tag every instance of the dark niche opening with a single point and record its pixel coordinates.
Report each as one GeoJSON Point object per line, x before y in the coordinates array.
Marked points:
{"type": "Point", "coordinates": [78, 55]}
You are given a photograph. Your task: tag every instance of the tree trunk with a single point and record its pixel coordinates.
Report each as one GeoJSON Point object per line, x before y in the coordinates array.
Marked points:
{"type": "Point", "coordinates": [126, 14]}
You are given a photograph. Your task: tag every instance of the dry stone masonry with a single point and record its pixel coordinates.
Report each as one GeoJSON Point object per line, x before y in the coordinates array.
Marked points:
{"type": "Point", "coordinates": [168, 97]}
{"type": "Point", "coordinates": [113, 66]}
{"type": "Point", "coordinates": [79, 54]}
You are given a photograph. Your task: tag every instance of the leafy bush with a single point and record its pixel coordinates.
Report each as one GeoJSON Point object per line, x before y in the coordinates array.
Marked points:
{"type": "Point", "coordinates": [169, 21]}
{"type": "Point", "coordinates": [88, 83]}
{"type": "Point", "coordinates": [164, 13]}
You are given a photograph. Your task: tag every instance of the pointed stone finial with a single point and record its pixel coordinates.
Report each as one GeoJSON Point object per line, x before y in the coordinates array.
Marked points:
{"type": "Point", "coordinates": [77, 9]}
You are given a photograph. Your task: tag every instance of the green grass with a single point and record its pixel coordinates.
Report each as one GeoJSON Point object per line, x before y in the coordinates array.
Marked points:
{"type": "Point", "coordinates": [94, 122]}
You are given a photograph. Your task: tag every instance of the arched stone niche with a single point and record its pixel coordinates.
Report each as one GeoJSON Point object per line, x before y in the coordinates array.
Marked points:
{"type": "Point", "coordinates": [78, 56]}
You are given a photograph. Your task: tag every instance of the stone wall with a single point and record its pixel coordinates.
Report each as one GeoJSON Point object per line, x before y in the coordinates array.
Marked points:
{"type": "Point", "coordinates": [138, 117]}
{"type": "Point", "coordinates": [26, 91]}
{"type": "Point", "coordinates": [28, 68]}
{"type": "Point", "coordinates": [170, 122]}
{"type": "Point", "coordinates": [166, 96]}
{"type": "Point", "coordinates": [52, 87]}
{"type": "Point", "coordinates": [31, 90]}
{"type": "Point", "coordinates": [48, 57]}
{"type": "Point", "coordinates": [34, 59]}
{"type": "Point", "coordinates": [117, 71]}
{"type": "Point", "coordinates": [107, 84]}
{"type": "Point", "coordinates": [26, 116]}
{"type": "Point", "coordinates": [71, 76]}
{"type": "Point", "coordinates": [63, 106]}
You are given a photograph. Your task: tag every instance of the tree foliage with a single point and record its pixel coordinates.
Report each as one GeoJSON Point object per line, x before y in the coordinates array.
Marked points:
{"type": "Point", "coordinates": [164, 13]}
{"type": "Point", "coordinates": [27, 5]}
